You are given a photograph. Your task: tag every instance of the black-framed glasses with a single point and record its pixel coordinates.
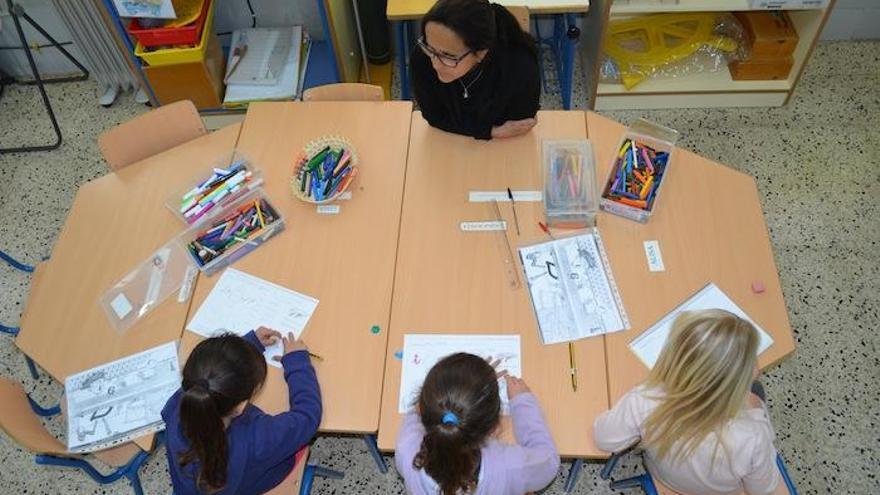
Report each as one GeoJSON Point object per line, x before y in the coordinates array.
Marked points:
{"type": "Point", "coordinates": [446, 59]}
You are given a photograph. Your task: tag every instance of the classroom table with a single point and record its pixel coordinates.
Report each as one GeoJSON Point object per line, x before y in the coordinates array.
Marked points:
{"type": "Point", "coordinates": [449, 281]}
{"type": "Point", "coordinates": [114, 223]}
{"type": "Point", "coordinates": [710, 228]}
{"type": "Point", "coordinates": [562, 42]}
{"type": "Point", "coordinates": [346, 260]}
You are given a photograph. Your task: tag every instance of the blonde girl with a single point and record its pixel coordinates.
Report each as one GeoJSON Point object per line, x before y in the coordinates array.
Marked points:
{"type": "Point", "coordinates": [702, 430]}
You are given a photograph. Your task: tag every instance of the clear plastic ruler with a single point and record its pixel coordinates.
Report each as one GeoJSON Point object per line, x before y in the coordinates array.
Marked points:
{"type": "Point", "coordinates": [511, 271]}
{"type": "Point", "coordinates": [612, 284]}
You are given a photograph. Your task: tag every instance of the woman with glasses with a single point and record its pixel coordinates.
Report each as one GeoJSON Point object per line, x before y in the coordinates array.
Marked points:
{"type": "Point", "coordinates": [476, 72]}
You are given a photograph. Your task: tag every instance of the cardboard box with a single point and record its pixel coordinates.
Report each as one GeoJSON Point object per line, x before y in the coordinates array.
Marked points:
{"type": "Point", "coordinates": [761, 70]}
{"type": "Point", "coordinates": [771, 35]}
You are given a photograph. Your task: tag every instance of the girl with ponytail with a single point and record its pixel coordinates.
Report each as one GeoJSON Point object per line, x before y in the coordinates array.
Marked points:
{"type": "Point", "coordinates": [448, 447]}
{"type": "Point", "coordinates": [217, 442]}
{"type": "Point", "coordinates": [476, 70]}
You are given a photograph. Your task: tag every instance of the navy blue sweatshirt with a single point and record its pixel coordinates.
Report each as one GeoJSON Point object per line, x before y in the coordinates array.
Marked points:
{"type": "Point", "coordinates": [506, 85]}
{"type": "Point", "coordinates": [261, 447]}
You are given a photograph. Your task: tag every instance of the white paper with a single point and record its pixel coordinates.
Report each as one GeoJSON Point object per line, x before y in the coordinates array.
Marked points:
{"type": "Point", "coordinates": [120, 400]}
{"type": "Point", "coordinates": [491, 225]}
{"type": "Point", "coordinates": [161, 9]}
{"type": "Point", "coordinates": [501, 196]}
{"type": "Point", "coordinates": [573, 294]}
{"type": "Point", "coordinates": [328, 209]}
{"type": "Point", "coordinates": [121, 306]}
{"type": "Point", "coordinates": [648, 345]}
{"type": "Point", "coordinates": [287, 82]}
{"type": "Point", "coordinates": [241, 302]}
{"type": "Point", "coordinates": [654, 257]}
{"type": "Point", "coordinates": [422, 351]}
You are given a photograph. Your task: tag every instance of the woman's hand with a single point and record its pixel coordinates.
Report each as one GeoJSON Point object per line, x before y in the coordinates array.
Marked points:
{"type": "Point", "coordinates": [513, 128]}
{"type": "Point", "coordinates": [267, 336]}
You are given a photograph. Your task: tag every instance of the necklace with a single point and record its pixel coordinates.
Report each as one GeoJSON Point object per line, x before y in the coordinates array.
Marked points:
{"type": "Point", "coordinates": [466, 95]}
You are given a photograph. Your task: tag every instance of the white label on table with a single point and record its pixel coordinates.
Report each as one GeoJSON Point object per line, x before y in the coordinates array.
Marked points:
{"type": "Point", "coordinates": [486, 196]}
{"type": "Point", "coordinates": [186, 288]}
{"type": "Point", "coordinates": [121, 306]}
{"type": "Point", "coordinates": [655, 259]}
{"type": "Point", "coordinates": [344, 196]}
{"type": "Point", "coordinates": [483, 226]}
{"type": "Point", "coordinates": [328, 209]}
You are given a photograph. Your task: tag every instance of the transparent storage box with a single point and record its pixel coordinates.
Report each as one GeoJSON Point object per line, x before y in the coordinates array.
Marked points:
{"type": "Point", "coordinates": [219, 183]}
{"type": "Point", "coordinates": [638, 171]}
{"type": "Point", "coordinates": [571, 192]}
{"type": "Point", "coordinates": [167, 271]}
{"type": "Point", "coordinates": [232, 231]}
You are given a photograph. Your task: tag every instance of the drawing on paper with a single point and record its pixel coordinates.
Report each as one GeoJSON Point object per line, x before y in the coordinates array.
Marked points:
{"type": "Point", "coordinates": [124, 398]}
{"type": "Point", "coordinates": [422, 351]}
{"type": "Point", "coordinates": [572, 294]}
{"type": "Point", "coordinates": [162, 9]}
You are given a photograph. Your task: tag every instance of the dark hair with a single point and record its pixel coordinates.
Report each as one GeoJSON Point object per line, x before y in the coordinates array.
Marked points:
{"type": "Point", "coordinates": [481, 24]}
{"type": "Point", "coordinates": [460, 407]}
{"type": "Point", "coordinates": [220, 373]}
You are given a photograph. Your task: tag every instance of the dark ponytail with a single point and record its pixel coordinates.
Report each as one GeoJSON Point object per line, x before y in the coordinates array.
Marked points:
{"type": "Point", "coordinates": [460, 408]}
{"type": "Point", "coordinates": [221, 373]}
{"type": "Point", "coordinates": [481, 25]}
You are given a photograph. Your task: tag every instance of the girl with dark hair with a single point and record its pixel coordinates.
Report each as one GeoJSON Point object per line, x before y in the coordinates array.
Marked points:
{"type": "Point", "coordinates": [476, 72]}
{"type": "Point", "coordinates": [217, 442]}
{"type": "Point", "coordinates": [448, 447]}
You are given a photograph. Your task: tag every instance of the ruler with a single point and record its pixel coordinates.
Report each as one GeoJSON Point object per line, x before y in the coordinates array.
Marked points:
{"type": "Point", "coordinates": [611, 282]}
{"type": "Point", "coordinates": [511, 271]}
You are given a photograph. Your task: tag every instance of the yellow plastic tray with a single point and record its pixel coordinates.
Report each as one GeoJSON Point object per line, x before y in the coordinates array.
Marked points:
{"type": "Point", "coordinates": [171, 56]}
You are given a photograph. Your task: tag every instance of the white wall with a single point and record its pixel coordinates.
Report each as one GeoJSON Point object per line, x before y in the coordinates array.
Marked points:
{"type": "Point", "coordinates": [853, 20]}
{"type": "Point", "coordinates": [50, 61]}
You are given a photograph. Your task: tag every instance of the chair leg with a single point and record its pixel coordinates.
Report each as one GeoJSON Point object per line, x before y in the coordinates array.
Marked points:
{"type": "Point", "coordinates": [32, 367]}
{"type": "Point", "coordinates": [573, 474]}
{"type": "Point", "coordinates": [9, 330]}
{"type": "Point", "coordinates": [15, 263]}
{"type": "Point", "coordinates": [635, 481]}
{"type": "Point", "coordinates": [44, 411]}
{"type": "Point", "coordinates": [135, 480]}
{"type": "Point", "coordinates": [328, 473]}
{"type": "Point", "coordinates": [374, 452]}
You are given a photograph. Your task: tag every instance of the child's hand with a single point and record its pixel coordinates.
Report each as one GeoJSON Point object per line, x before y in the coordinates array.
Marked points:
{"type": "Point", "coordinates": [754, 401]}
{"type": "Point", "coordinates": [267, 336]}
{"type": "Point", "coordinates": [291, 344]}
{"type": "Point", "coordinates": [515, 386]}
{"type": "Point", "coordinates": [494, 364]}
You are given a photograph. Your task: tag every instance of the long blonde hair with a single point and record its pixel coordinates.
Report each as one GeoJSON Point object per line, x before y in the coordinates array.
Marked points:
{"type": "Point", "coordinates": [703, 375]}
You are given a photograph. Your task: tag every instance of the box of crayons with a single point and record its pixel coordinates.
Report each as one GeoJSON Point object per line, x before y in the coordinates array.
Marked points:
{"type": "Point", "coordinates": [324, 170]}
{"type": "Point", "coordinates": [638, 171]}
{"type": "Point", "coordinates": [231, 232]}
{"type": "Point", "coordinates": [213, 187]}
{"type": "Point", "coordinates": [571, 192]}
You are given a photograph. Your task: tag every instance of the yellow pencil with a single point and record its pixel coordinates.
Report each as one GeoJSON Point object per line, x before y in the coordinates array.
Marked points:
{"type": "Point", "coordinates": [574, 380]}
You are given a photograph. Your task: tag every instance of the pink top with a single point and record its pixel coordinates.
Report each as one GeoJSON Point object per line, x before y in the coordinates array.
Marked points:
{"type": "Point", "coordinates": [745, 460]}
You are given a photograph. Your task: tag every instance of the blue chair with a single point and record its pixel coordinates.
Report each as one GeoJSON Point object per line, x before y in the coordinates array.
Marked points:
{"type": "Point", "coordinates": [302, 476]}
{"type": "Point", "coordinates": [646, 482]}
{"type": "Point", "coordinates": [14, 330]}
{"type": "Point", "coordinates": [20, 419]}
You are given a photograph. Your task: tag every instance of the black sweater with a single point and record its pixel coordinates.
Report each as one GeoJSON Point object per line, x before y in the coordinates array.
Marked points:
{"type": "Point", "coordinates": [508, 89]}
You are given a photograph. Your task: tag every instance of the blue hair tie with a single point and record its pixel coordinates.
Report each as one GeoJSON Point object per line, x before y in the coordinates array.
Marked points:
{"type": "Point", "coordinates": [449, 418]}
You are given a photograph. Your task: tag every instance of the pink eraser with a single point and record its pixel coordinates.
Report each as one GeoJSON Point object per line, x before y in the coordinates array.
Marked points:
{"type": "Point", "coordinates": [758, 287]}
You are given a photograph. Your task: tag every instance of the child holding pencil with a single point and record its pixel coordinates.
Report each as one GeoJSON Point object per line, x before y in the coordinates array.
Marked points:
{"type": "Point", "coordinates": [448, 446]}
{"type": "Point", "coordinates": [702, 429]}
{"type": "Point", "coordinates": [217, 441]}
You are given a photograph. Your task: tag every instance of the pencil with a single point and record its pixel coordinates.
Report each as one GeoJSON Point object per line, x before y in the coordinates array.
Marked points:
{"type": "Point", "coordinates": [574, 380]}
{"type": "Point", "coordinates": [319, 358]}
{"type": "Point", "coordinates": [513, 205]}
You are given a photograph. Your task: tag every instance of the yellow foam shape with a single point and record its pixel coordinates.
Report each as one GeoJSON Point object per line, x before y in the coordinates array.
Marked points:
{"type": "Point", "coordinates": [666, 38]}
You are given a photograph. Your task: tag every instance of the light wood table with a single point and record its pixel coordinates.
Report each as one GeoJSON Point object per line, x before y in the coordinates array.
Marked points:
{"type": "Point", "coordinates": [115, 223]}
{"type": "Point", "coordinates": [346, 261]}
{"type": "Point", "coordinates": [710, 227]}
{"type": "Point", "coordinates": [415, 9]}
{"type": "Point", "coordinates": [449, 281]}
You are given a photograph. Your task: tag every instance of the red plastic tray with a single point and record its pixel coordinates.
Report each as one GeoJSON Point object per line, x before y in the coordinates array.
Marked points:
{"type": "Point", "coordinates": [185, 35]}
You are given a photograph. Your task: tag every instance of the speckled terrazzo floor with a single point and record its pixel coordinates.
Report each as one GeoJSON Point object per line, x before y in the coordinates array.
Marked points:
{"type": "Point", "coordinates": [817, 162]}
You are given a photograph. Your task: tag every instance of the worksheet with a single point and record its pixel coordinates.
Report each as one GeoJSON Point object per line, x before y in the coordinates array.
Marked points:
{"type": "Point", "coordinates": [241, 302]}
{"type": "Point", "coordinates": [573, 292]}
{"type": "Point", "coordinates": [648, 345]}
{"type": "Point", "coordinates": [121, 400]}
{"type": "Point", "coordinates": [422, 351]}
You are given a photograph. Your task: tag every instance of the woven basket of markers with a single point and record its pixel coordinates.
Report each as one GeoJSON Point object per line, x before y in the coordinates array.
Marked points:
{"type": "Point", "coordinates": [324, 170]}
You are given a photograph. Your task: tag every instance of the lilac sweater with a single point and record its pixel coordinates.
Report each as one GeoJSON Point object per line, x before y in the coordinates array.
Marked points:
{"type": "Point", "coordinates": [505, 469]}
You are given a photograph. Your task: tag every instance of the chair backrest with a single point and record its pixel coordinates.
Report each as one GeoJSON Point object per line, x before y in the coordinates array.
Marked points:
{"type": "Point", "coordinates": [521, 13]}
{"type": "Point", "coordinates": [151, 133]}
{"type": "Point", "coordinates": [18, 420]}
{"type": "Point", "coordinates": [344, 92]}
{"type": "Point", "coordinates": [291, 485]}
